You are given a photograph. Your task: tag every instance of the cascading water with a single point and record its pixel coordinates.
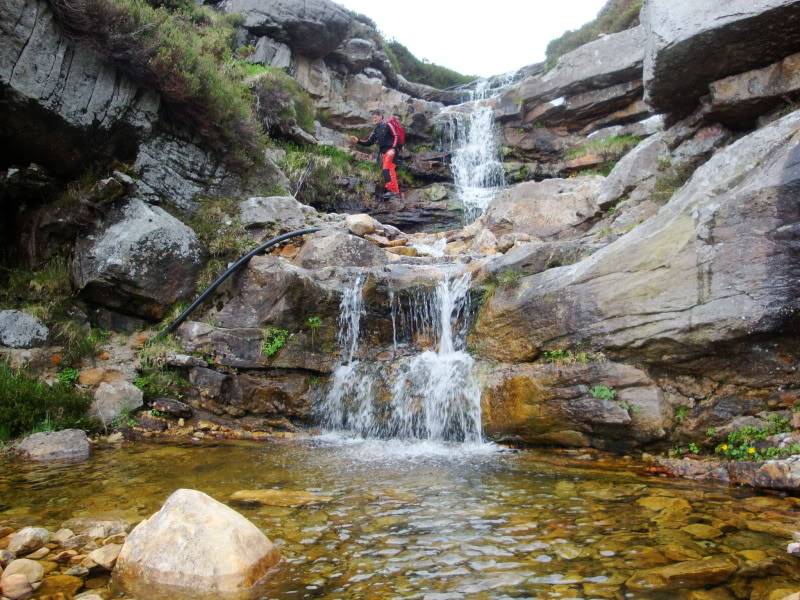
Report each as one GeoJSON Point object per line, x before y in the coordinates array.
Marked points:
{"type": "Point", "coordinates": [430, 396]}
{"type": "Point", "coordinates": [476, 165]}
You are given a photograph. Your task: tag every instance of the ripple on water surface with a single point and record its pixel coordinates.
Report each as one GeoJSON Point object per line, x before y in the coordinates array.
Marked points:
{"type": "Point", "coordinates": [438, 520]}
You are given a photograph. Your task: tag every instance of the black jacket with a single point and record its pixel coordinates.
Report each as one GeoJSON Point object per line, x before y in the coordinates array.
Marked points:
{"type": "Point", "coordinates": [381, 135]}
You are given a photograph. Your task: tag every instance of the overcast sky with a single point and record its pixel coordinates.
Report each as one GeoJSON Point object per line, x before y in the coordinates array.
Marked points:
{"type": "Point", "coordinates": [477, 38]}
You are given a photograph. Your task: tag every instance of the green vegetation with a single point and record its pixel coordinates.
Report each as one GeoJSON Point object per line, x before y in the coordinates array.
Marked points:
{"type": "Point", "coordinates": [274, 339]}
{"type": "Point", "coordinates": [124, 419]}
{"type": "Point", "coordinates": [316, 172]}
{"type": "Point", "coordinates": [670, 180]}
{"type": "Point", "coordinates": [509, 278]}
{"type": "Point", "coordinates": [681, 412]}
{"type": "Point", "coordinates": [561, 356]}
{"type": "Point", "coordinates": [313, 323]}
{"type": "Point", "coordinates": [280, 100]}
{"type": "Point", "coordinates": [28, 404]}
{"type": "Point", "coordinates": [183, 51]}
{"type": "Point", "coordinates": [218, 227]}
{"type": "Point", "coordinates": [615, 16]}
{"type": "Point", "coordinates": [609, 148]}
{"type": "Point", "coordinates": [603, 392]}
{"type": "Point", "coordinates": [742, 444]}
{"type": "Point", "coordinates": [422, 71]}
{"type": "Point", "coordinates": [156, 379]}
{"type": "Point", "coordinates": [68, 376]}
{"type": "Point", "coordinates": [46, 293]}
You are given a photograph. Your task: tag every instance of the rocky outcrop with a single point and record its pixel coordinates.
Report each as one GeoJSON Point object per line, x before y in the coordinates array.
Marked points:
{"type": "Point", "coordinates": [692, 44]}
{"type": "Point", "coordinates": [68, 444]}
{"type": "Point", "coordinates": [61, 103]}
{"type": "Point", "coordinates": [196, 545]}
{"type": "Point", "coordinates": [330, 248]}
{"type": "Point", "coordinates": [139, 260]}
{"type": "Point", "coordinates": [21, 330]}
{"type": "Point", "coordinates": [718, 263]}
{"type": "Point", "coordinates": [559, 404]}
{"type": "Point", "coordinates": [551, 209]}
{"type": "Point", "coordinates": [312, 28]}
{"type": "Point", "coordinates": [771, 474]}
{"type": "Point", "coordinates": [265, 216]}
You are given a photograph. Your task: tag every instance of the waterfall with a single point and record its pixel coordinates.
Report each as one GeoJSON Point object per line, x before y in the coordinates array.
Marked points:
{"type": "Point", "coordinates": [432, 395]}
{"type": "Point", "coordinates": [476, 165]}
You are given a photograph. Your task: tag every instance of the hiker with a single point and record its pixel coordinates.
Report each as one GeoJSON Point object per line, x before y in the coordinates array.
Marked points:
{"type": "Point", "coordinates": [387, 139]}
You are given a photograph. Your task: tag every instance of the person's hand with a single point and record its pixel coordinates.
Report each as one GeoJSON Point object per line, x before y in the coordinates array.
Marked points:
{"type": "Point", "coordinates": [353, 139]}
{"type": "Point", "coordinates": [392, 152]}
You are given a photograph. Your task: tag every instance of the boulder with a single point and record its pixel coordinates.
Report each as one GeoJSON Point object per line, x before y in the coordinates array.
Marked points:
{"type": "Point", "coordinates": [717, 264]}
{"type": "Point", "coordinates": [21, 330]}
{"type": "Point", "coordinates": [312, 28]}
{"type": "Point", "coordinates": [194, 543]}
{"type": "Point", "coordinates": [552, 404]}
{"type": "Point", "coordinates": [271, 53]}
{"type": "Point", "coordinates": [28, 539]}
{"type": "Point", "coordinates": [555, 208]}
{"type": "Point", "coordinates": [16, 586]}
{"type": "Point", "coordinates": [173, 408]}
{"type": "Point", "coordinates": [360, 225]}
{"type": "Point", "coordinates": [139, 260]}
{"type": "Point", "coordinates": [330, 248]}
{"type": "Point", "coordinates": [431, 208]}
{"type": "Point", "coordinates": [692, 44]}
{"type": "Point", "coordinates": [63, 103]}
{"type": "Point", "coordinates": [31, 569]}
{"type": "Point", "coordinates": [273, 215]}
{"type": "Point", "coordinates": [113, 399]}
{"type": "Point", "coordinates": [106, 556]}
{"type": "Point", "coordinates": [68, 444]}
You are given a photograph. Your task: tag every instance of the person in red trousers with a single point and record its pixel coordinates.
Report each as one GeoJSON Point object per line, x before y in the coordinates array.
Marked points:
{"type": "Point", "coordinates": [387, 140]}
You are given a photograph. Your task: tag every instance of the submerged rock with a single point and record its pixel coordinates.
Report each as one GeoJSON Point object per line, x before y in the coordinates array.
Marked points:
{"type": "Point", "coordinates": [688, 574]}
{"type": "Point", "coordinates": [28, 539]}
{"type": "Point", "coordinates": [278, 497]}
{"type": "Point", "coordinates": [68, 444]}
{"type": "Point", "coordinates": [194, 544]}
{"type": "Point", "coordinates": [21, 330]}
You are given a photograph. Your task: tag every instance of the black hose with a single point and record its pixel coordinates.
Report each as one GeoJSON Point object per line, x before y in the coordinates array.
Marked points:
{"type": "Point", "coordinates": [230, 271]}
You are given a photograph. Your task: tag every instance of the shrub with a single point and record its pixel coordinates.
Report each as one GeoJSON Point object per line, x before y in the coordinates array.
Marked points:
{"type": "Point", "coordinates": [422, 71]}
{"type": "Point", "coordinates": [615, 16]}
{"type": "Point", "coordinates": [68, 376]}
{"type": "Point", "coordinates": [681, 412]}
{"type": "Point", "coordinates": [603, 392]}
{"type": "Point", "coordinates": [610, 148]}
{"type": "Point", "coordinates": [28, 404]}
{"type": "Point", "coordinates": [156, 379]}
{"type": "Point", "coordinates": [184, 54]}
{"type": "Point", "coordinates": [274, 339]}
{"type": "Point", "coordinates": [569, 357]}
{"type": "Point", "coordinates": [670, 180]}
{"type": "Point", "coordinates": [280, 101]}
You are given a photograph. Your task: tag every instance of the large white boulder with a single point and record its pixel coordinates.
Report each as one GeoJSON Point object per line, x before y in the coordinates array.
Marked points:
{"type": "Point", "coordinates": [20, 330]}
{"type": "Point", "coordinates": [68, 444]}
{"type": "Point", "coordinates": [194, 543]}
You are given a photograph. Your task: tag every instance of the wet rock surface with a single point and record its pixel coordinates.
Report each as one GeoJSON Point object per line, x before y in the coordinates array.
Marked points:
{"type": "Point", "coordinates": [68, 444]}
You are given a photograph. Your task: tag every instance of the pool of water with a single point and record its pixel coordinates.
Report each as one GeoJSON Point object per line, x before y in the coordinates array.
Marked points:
{"type": "Point", "coordinates": [438, 522]}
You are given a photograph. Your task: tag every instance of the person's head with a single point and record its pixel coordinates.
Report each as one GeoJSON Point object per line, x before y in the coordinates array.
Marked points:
{"type": "Point", "coordinates": [377, 115]}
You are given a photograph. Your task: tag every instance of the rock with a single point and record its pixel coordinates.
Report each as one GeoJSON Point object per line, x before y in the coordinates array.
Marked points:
{"type": "Point", "coordinates": [31, 569]}
{"type": "Point", "coordinates": [98, 375]}
{"type": "Point", "coordinates": [38, 554]}
{"type": "Point", "coordinates": [793, 548]}
{"type": "Point", "coordinates": [271, 53]}
{"type": "Point", "coordinates": [28, 539]}
{"type": "Point", "coordinates": [194, 542]}
{"type": "Point", "coordinates": [6, 556]}
{"type": "Point", "coordinates": [106, 556]}
{"type": "Point", "coordinates": [555, 208]}
{"type": "Point", "coordinates": [641, 294]}
{"type": "Point", "coordinates": [699, 531]}
{"type": "Point", "coordinates": [21, 330]}
{"type": "Point", "coordinates": [113, 399]}
{"type": "Point", "coordinates": [433, 208]}
{"type": "Point", "coordinates": [96, 528]}
{"type": "Point", "coordinates": [66, 585]}
{"type": "Point", "coordinates": [667, 503]}
{"type": "Point", "coordinates": [89, 596]}
{"type": "Point", "coordinates": [360, 224]}
{"type": "Point", "coordinates": [431, 166]}
{"type": "Point", "coordinates": [92, 109]}
{"type": "Point", "coordinates": [173, 408]}
{"type": "Point", "coordinates": [330, 248]}
{"type": "Point", "coordinates": [313, 28]}
{"type": "Point", "coordinates": [728, 36]}
{"type": "Point", "coordinates": [688, 574]}
{"type": "Point", "coordinates": [640, 164]}
{"type": "Point", "coordinates": [140, 259]}
{"type": "Point", "coordinates": [745, 96]}
{"type": "Point", "coordinates": [276, 214]}
{"type": "Point", "coordinates": [68, 444]}
{"type": "Point", "coordinates": [278, 498]}
{"type": "Point", "coordinates": [535, 257]}
{"type": "Point", "coordinates": [16, 587]}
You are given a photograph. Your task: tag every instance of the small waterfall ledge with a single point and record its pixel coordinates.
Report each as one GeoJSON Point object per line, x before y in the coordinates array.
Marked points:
{"type": "Point", "coordinates": [431, 395]}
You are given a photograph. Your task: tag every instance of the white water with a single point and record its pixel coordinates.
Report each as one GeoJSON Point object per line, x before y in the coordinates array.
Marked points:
{"type": "Point", "coordinates": [431, 396]}
{"type": "Point", "coordinates": [477, 168]}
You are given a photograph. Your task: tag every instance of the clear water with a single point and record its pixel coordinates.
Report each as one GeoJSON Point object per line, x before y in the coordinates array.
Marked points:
{"type": "Point", "coordinates": [432, 520]}
{"type": "Point", "coordinates": [431, 395]}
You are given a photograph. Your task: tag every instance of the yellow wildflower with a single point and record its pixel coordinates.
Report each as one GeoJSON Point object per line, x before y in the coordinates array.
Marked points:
{"type": "Point", "coordinates": [751, 450]}
{"type": "Point", "coordinates": [724, 447]}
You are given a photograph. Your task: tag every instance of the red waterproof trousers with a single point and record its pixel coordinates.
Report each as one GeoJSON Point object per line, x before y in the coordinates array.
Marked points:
{"type": "Point", "coordinates": [390, 172]}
